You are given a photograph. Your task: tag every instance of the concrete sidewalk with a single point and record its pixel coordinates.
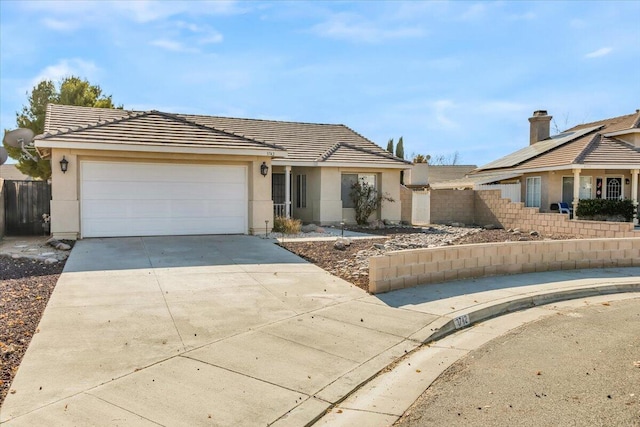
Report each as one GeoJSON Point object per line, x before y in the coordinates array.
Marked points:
{"type": "Point", "coordinates": [233, 330]}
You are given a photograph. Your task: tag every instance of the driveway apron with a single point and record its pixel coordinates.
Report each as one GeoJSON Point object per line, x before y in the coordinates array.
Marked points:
{"type": "Point", "coordinates": [200, 330]}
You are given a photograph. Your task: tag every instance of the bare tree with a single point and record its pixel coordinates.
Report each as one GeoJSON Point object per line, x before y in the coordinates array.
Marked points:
{"type": "Point", "coordinates": [445, 159]}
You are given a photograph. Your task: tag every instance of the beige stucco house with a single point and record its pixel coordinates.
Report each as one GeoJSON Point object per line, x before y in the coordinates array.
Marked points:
{"type": "Point", "coordinates": [592, 160]}
{"type": "Point", "coordinates": [133, 173]}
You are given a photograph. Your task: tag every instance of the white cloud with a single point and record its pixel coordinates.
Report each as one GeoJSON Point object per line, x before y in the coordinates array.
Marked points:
{"type": "Point", "coordinates": [65, 68]}
{"type": "Point", "coordinates": [60, 24]}
{"type": "Point", "coordinates": [598, 53]}
{"type": "Point", "coordinates": [353, 28]}
{"type": "Point", "coordinates": [528, 16]}
{"type": "Point", "coordinates": [476, 11]}
{"type": "Point", "coordinates": [173, 46]}
{"type": "Point", "coordinates": [441, 109]}
{"type": "Point", "coordinates": [577, 23]}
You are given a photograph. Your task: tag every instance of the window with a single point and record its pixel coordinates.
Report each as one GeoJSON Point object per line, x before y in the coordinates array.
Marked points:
{"type": "Point", "coordinates": [277, 188]}
{"type": "Point", "coordinates": [348, 179]}
{"type": "Point", "coordinates": [533, 190]}
{"type": "Point", "coordinates": [614, 188]}
{"type": "Point", "coordinates": [301, 191]}
{"type": "Point", "coordinates": [567, 188]}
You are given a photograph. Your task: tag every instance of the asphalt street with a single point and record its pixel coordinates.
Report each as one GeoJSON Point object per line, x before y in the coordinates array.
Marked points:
{"type": "Point", "coordinates": [580, 367]}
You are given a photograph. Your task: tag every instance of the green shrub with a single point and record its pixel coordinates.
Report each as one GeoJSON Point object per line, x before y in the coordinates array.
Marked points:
{"type": "Point", "coordinates": [600, 209]}
{"type": "Point", "coordinates": [366, 200]}
{"type": "Point", "coordinates": [286, 225]}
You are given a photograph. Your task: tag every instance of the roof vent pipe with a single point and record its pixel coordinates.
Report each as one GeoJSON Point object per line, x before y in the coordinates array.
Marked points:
{"type": "Point", "coordinates": [540, 126]}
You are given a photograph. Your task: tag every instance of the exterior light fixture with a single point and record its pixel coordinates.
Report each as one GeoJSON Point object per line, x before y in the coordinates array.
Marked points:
{"type": "Point", "coordinates": [264, 169]}
{"type": "Point", "coordinates": [64, 165]}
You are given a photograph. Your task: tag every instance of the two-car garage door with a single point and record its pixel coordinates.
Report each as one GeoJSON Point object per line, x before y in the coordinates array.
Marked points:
{"type": "Point", "coordinates": [148, 199]}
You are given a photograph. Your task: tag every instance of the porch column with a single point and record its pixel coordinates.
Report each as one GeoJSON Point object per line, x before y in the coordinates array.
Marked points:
{"type": "Point", "coordinates": [287, 191]}
{"type": "Point", "coordinates": [634, 194]}
{"type": "Point", "coordinates": [576, 192]}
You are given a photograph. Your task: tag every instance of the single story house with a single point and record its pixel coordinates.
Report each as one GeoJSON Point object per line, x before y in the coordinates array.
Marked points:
{"type": "Point", "coordinates": [592, 160]}
{"type": "Point", "coordinates": [135, 173]}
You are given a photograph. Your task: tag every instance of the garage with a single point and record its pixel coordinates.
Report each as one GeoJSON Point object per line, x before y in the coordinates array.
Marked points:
{"type": "Point", "coordinates": [150, 199]}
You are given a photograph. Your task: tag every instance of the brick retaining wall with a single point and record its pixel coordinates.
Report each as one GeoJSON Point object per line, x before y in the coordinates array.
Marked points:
{"type": "Point", "coordinates": [490, 208]}
{"type": "Point", "coordinates": [405, 269]}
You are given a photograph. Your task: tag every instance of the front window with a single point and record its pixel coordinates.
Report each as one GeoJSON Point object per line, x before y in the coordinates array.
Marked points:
{"type": "Point", "coordinates": [348, 179]}
{"type": "Point", "coordinates": [585, 188]}
{"type": "Point", "coordinates": [301, 191]}
{"type": "Point", "coordinates": [533, 192]}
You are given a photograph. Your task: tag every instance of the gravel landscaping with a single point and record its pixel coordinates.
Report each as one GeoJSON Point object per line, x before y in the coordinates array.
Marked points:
{"type": "Point", "coordinates": [25, 288]}
{"type": "Point", "coordinates": [352, 263]}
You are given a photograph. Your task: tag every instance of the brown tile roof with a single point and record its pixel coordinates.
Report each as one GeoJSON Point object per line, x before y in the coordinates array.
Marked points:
{"type": "Point", "coordinates": [603, 150]}
{"type": "Point", "coordinates": [11, 173]}
{"type": "Point", "coordinates": [440, 173]}
{"type": "Point", "coordinates": [153, 128]}
{"type": "Point", "coordinates": [578, 148]}
{"type": "Point", "coordinates": [307, 142]}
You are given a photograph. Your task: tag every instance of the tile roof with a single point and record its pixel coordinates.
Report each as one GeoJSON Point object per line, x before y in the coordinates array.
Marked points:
{"type": "Point", "coordinates": [153, 128]}
{"type": "Point", "coordinates": [603, 150]}
{"type": "Point", "coordinates": [582, 144]}
{"type": "Point", "coordinates": [305, 142]}
{"type": "Point", "coordinates": [11, 173]}
{"type": "Point", "coordinates": [439, 173]}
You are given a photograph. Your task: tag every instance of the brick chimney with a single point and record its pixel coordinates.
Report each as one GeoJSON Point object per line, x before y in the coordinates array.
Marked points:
{"type": "Point", "coordinates": [540, 126]}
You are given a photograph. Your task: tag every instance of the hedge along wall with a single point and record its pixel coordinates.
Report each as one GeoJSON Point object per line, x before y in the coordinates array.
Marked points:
{"type": "Point", "coordinates": [409, 268]}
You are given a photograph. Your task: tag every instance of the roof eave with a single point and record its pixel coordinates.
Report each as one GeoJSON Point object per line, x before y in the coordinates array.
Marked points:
{"type": "Point", "coordinates": [313, 163]}
{"type": "Point", "coordinates": [158, 148]}
{"type": "Point", "coordinates": [622, 132]}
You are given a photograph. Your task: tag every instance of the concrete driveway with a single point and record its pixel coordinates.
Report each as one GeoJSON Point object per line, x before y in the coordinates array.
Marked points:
{"type": "Point", "coordinates": [201, 330]}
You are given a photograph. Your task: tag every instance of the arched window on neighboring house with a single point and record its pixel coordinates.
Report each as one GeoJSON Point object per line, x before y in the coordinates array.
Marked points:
{"type": "Point", "coordinates": [614, 188]}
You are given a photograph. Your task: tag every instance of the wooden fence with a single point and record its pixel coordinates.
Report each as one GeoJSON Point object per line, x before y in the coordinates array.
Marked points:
{"type": "Point", "coordinates": [25, 202]}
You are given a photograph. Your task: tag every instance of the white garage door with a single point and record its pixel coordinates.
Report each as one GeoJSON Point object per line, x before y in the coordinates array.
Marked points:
{"type": "Point", "coordinates": [150, 199]}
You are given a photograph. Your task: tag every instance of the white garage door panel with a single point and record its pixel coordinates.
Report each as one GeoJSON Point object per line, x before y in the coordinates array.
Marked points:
{"type": "Point", "coordinates": [132, 199]}
{"type": "Point", "coordinates": [106, 190]}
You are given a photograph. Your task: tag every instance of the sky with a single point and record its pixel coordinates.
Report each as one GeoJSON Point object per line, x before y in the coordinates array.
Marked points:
{"type": "Point", "coordinates": [449, 77]}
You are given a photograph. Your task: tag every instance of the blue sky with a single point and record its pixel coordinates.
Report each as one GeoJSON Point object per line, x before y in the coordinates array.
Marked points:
{"type": "Point", "coordinates": [447, 76]}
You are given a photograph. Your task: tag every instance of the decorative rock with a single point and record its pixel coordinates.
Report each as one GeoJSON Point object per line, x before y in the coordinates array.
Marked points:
{"type": "Point", "coordinates": [490, 227]}
{"type": "Point", "coordinates": [378, 246]}
{"type": "Point", "coordinates": [62, 246]}
{"type": "Point", "coordinates": [320, 230]}
{"type": "Point", "coordinates": [50, 261]}
{"type": "Point", "coordinates": [534, 233]}
{"type": "Point", "coordinates": [457, 224]}
{"type": "Point", "coordinates": [516, 231]}
{"type": "Point", "coordinates": [524, 239]}
{"type": "Point", "coordinates": [16, 256]}
{"type": "Point", "coordinates": [344, 240]}
{"type": "Point", "coordinates": [339, 246]}
{"type": "Point", "coordinates": [309, 228]}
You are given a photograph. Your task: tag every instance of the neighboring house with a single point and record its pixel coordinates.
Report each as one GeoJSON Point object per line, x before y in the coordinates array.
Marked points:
{"type": "Point", "coordinates": [592, 160]}
{"type": "Point", "coordinates": [133, 173]}
{"type": "Point", "coordinates": [11, 173]}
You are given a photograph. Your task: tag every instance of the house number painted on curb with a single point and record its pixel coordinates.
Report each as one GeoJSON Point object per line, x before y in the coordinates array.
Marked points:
{"type": "Point", "coordinates": [461, 321]}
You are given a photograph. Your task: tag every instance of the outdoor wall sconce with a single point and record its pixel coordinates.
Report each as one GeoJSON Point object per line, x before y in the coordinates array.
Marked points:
{"type": "Point", "coordinates": [64, 165]}
{"type": "Point", "coordinates": [264, 169]}
{"type": "Point", "coordinates": [626, 181]}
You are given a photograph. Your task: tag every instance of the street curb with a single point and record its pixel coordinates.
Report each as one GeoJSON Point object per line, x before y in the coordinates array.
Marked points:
{"type": "Point", "coordinates": [531, 301]}
{"type": "Point", "coordinates": [496, 310]}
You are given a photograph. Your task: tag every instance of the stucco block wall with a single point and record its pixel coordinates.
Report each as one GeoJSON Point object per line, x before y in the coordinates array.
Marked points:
{"type": "Point", "coordinates": [490, 208]}
{"type": "Point", "coordinates": [449, 206]}
{"type": "Point", "coordinates": [406, 203]}
{"type": "Point", "coordinates": [405, 269]}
